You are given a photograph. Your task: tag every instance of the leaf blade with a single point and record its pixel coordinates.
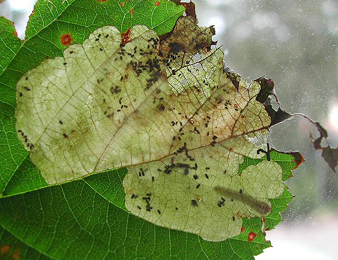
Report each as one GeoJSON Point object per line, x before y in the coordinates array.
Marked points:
{"type": "Point", "coordinates": [45, 28]}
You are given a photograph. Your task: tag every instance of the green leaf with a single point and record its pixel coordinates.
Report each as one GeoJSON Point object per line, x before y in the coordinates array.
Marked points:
{"type": "Point", "coordinates": [95, 108]}
{"type": "Point", "coordinates": [88, 219]}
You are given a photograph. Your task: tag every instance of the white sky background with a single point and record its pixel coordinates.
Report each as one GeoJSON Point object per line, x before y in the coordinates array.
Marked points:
{"type": "Point", "coordinates": [19, 11]}
{"type": "Point", "coordinates": [310, 240]}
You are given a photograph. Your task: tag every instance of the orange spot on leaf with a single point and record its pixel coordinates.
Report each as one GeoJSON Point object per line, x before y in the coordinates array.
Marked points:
{"type": "Point", "coordinates": [16, 255]}
{"type": "Point", "coordinates": [132, 12]}
{"type": "Point", "coordinates": [5, 249]}
{"type": "Point", "coordinates": [157, 3]}
{"type": "Point", "coordinates": [252, 236]}
{"type": "Point", "coordinates": [66, 39]}
{"type": "Point", "coordinates": [122, 4]}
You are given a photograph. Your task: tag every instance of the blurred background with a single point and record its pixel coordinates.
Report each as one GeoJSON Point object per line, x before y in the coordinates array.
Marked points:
{"type": "Point", "coordinates": [294, 42]}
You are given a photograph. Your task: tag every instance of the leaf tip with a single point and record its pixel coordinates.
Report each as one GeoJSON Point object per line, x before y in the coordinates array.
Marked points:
{"type": "Point", "coordinates": [190, 8]}
{"type": "Point", "coordinates": [299, 159]}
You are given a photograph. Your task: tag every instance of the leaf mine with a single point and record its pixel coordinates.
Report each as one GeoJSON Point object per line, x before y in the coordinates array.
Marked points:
{"type": "Point", "coordinates": [167, 110]}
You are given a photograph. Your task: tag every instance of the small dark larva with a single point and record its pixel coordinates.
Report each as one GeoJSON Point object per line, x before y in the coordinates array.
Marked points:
{"type": "Point", "coordinates": [194, 203]}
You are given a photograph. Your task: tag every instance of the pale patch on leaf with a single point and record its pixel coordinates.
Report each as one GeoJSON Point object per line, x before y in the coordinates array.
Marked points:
{"type": "Point", "coordinates": [106, 105]}
{"type": "Point", "coordinates": [82, 113]}
{"type": "Point", "coordinates": [203, 196]}
{"type": "Point", "coordinates": [168, 111]}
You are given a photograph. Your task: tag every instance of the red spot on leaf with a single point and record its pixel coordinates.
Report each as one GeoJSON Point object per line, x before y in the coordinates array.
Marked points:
{"type": "Point", "coordinates": [132, 12]}
{"type": "Point", "coordinates": [125, 37]}
{"type": "Point", "coordinates": [157, 3]}
{"type": "Point", "coordinates": [122, 4]}
{"type": "Point", "coordinates": [242, 229]}
{"type": "Point", "coordinates": [66, 39]}
{"type": "Point", "coordinates": [252, 236]}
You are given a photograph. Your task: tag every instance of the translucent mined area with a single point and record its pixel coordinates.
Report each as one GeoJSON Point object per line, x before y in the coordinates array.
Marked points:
{"type": "Point", "coordinates": [168, 111]}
